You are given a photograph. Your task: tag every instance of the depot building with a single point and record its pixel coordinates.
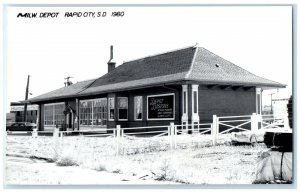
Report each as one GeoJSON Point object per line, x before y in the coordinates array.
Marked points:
{"type": "Point", "coordinates": [183, 86]}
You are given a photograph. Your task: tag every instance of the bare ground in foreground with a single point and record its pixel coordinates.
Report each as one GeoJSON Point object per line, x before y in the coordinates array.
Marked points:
{"type": "Point", "coordinates": [195, 162]}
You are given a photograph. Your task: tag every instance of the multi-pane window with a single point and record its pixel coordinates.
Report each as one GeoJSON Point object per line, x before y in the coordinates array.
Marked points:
{"type": "Point", "coordinates": [54, 114]}
{"type": "Point", "coordinates": [85, 112]}
{"type": "Point", "coordinates": [138, 107]}
{"type": "Point", "coordinates": [122, 108]}
{"type": "Point", "coordinates": [111, 106]}
{"type": "Point", "coordinates": [93, 112]}
{"type": "Point", "coordinates": [49, 114]}
{"type": "Point", "coordinates": [59, 116]}
{"type": "Point", "coordinates": [100, 112]}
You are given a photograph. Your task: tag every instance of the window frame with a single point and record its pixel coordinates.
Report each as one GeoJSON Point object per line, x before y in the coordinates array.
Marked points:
{"type": "Point", "coordinates": [134, 106]}
{"type": "Point", "coordinates": [92, 113]}
{"type": "Point", "coordinates": [53, 113]}
{"type": "Point", "coordinates": [108, 113]}
{"type": "Point", "coordinates": [122, 108]}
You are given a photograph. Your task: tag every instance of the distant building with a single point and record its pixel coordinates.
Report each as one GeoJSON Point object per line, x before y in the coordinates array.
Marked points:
{"type": "Point", "coordinates": [183, 86]}
{"type": "Point", "coordinates": [17, 108]}
{"type": "Point", "coordinates": [279, 106]}
{"type": "Point", "coordinates": [266, 110]}
{"type": "Point", "coordinates": [10, 118]}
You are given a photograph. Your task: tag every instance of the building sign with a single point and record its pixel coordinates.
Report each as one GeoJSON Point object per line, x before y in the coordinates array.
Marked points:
{"type": "Point", "coordinates": [161, 107]}
{"type": "Point", "coordinates": [21, 108]}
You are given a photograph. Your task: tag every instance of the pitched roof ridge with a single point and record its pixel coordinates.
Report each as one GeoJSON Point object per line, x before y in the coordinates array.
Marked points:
{"type": "Point", "coordinates": [192, 64]}
{"type": "Point", "coordinates": [86, 80]}
{"type": "Point", "coordinates": [87, 86]}
{"type": "Point", "coordinates": [161, 53]}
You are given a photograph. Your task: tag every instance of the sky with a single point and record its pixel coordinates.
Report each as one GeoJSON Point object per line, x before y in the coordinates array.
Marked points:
{"type": "Point", "coordinates": [258, 39]}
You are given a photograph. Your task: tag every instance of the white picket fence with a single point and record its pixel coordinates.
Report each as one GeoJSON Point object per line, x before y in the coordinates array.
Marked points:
{"type": "Point", "coordinates": [174, 133]}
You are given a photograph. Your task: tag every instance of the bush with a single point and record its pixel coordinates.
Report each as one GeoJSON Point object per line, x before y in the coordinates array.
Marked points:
{"type": "Point", "coordinates": [66, 161]}
{"type": "Point", "coordinates": [100, 168]}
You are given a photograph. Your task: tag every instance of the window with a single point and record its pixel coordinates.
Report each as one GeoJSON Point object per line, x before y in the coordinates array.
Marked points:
{"type": "Point", "coordinates": [85, 112]}
{"type": "Point", "coordinates": [122, 108]}
{"type": "Point", "coordinates": [54, 114]}
{"type": "Point", "coordinates": [111, 106]}
{"type": "Point", "coordinates": [138, 107]}
{"type": "Point", "coordinates": [100, 112]}
{"type": "Point", "coordinates": [93, 112]}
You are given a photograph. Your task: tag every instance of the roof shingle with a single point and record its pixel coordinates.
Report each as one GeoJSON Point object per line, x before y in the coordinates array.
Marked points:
{"type": "Point", "coordinates": [192, 63]}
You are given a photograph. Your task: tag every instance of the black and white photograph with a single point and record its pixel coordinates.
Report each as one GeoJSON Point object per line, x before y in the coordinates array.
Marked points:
{"type": "Point", "coordinates": [170, 95]}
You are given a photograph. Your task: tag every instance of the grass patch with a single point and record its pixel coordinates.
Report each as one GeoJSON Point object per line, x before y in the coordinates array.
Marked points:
{"type": "Point", "coordinates": [66, 161]}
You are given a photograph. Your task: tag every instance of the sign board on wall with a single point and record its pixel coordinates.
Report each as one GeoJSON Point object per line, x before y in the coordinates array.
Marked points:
{"type": "Point", "coordinates": [161, 107]}
{"type": "Point", "coordinates": [21, 108]}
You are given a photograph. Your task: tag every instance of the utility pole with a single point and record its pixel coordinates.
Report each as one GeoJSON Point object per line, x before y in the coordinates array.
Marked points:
{"type": "Point", "coordinates": [272, 103]}
{"type": "Point", "coordinates": [68, 82]}
{"type": "Point", "coordinates": [26, 98]}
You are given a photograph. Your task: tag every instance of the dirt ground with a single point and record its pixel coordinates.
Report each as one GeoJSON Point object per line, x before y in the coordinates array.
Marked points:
{"type": "Point", "coordinates": [25, 171]}
{"type": "Point", "coordinates": [143, 161]}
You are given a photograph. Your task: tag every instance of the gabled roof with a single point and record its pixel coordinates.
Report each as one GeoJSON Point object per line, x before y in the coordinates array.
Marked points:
{"type": "Point", "coordinates": [187, 64]}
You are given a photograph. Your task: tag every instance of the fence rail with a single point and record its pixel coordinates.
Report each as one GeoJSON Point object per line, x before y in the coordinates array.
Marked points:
{"type": "Point", "coordinates": [117, 136]}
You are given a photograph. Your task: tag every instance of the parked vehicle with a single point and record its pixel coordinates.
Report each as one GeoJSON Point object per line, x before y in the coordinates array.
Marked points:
{"type": "Point", "coordinates": [21, 126]}
{"type": "Point", "coordinates": [263, 135]}
{"type": "Point", "coordinates": [248, 137]}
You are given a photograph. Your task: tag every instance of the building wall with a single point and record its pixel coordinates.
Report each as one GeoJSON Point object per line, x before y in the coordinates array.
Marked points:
{"type": "Point", "coordinates": [31, 116]}
{"type": "Point", "coordinates": [10, 118]}
{"type": "Point", "coordinates": [144, 93]}
{"type": "Point", "coordinates": [225, 102]}
{"type": "Point", "coordinates": [215, 100]}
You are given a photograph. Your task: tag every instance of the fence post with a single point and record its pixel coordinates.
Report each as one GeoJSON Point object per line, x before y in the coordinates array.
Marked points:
{"type": "Point", "coordinates": [214, 131]}
{"type": "Point", "coordinates": [286, 122]}
{"type": "Point", "coordinates": [56, 142]}
{"type": "Point", "coordinates": [175, 137]}
{"type": "Point", "coordinates": [172, 135]}
{"type": "Point", "coordinates": [259, 121]}
{"type": "Point", "coordinates": [34, 141]}
{"type": "Point", "coordinates": [114, 133]}
{"type": "Point", "coordinates": [118, 139]}
{"type": "Point", "coordinates": [169, 134]}
{"type": "Point", "coordinates": [254, 122]}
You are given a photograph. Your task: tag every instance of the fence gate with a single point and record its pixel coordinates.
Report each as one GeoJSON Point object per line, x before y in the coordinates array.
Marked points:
{"type": "Point", "coordinates": [231, 123]}
{"type": "Point", "coordinates": [271, 121]}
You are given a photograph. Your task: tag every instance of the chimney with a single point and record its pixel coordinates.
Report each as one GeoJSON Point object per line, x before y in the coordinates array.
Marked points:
{"type": "Point", "coordinates": [111, 63]}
